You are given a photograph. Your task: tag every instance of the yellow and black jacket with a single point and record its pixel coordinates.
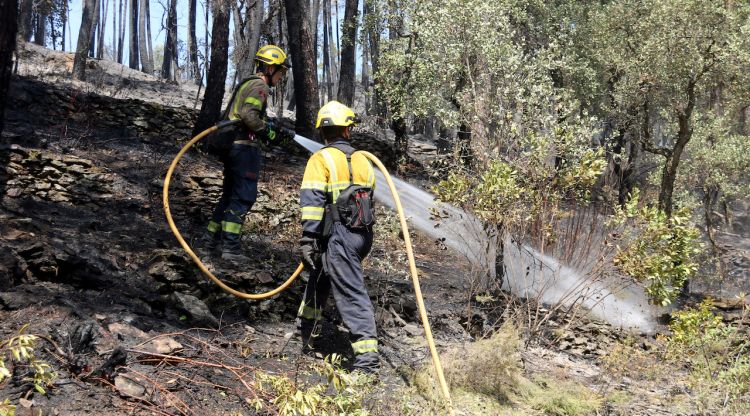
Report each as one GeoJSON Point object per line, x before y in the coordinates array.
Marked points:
{"type": "Point", "coordinates": [249, 104]}
{"type": "Point", "coordinates": [326, 175]}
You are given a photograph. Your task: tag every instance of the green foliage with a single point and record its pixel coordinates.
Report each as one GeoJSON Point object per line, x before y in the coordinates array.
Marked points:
{"type": "Point", "coordinates": [20, 350]}
{"type": "Point", "coordinates": [7, 409]}
{"type": "Point", "coordinates": [660, 251]}
{"type": "Point", "coordinates": [289, 399]}
{"type": "Point", "coordinates": [717, 354]}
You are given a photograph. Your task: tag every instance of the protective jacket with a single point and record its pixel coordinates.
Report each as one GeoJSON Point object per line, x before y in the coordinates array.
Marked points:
{"type": "Point", "coordinates": [249, 105]}
{"type": "Point", "coordinates": [326, 175]}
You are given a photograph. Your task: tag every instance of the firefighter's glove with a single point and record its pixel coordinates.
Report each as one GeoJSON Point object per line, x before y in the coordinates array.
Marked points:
{"type": "Point", "coordinates": [271, 131]}
{"type": "Point", "coordinates": [310, 249]}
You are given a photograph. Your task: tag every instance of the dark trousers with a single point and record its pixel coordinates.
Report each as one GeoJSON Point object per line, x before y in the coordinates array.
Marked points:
{"type": "Point", "coordinates": [242, 168]}
{"type": "Point", "coordinates": [342, 272]}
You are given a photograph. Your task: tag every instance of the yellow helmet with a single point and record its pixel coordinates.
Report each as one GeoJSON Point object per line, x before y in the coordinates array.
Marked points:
{"type": "Point", "coordinates": [336, 114]}
{"type": "Point", "coordinates": [272, 55]}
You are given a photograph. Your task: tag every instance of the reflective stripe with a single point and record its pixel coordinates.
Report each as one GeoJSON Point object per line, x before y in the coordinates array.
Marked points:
{"type": "Point", "coordinates": [236, 105]}
{"type": "Point", "coordinates": [367, 345]}
{"type": "Point", "coordinates": [312, 213]}
{"type": "Point", "coordinates": [332, 169]}
{"type": "Point", "coordinates": [321, 186]}
{"type": "Point", "coordinates": [254, 101]}
{"type": "Point", "coordinates": [231, 227]}
{"type": "Point", "coordinates": [246, 142]}
{"type": "Point", "coordinates": [308, 312]}
{"type": "Point", "coordinates": [213, 226]}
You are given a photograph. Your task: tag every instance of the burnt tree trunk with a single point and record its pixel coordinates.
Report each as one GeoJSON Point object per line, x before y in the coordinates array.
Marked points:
{"type": "Point", "coordinates": [193, 43]}
{"type": "Point", "coordinates": [217, 68]}
{"type": "Point", "coordinates": [327, 73]}
{"type": "Point", "coordinates": [170, 45]}
{"type": "Point", "coordinates": [40, 31]}
{"type": "Point", "coordinates": [25, 17]}
{"type": "Point", "coordinates": [84, 37]}
{"type": "Point", "coordinates": [94, 29]}
{"type": "Point", "coordinates": [349, 48]}
{"type": "Point", "coordinates": [147, 65]}
{"type": "Point", "coordinates": [8, 28]}
{"type": "Point", "coordinates": [303, 60]}
{"type": "Point", "coordinates": [133, 58]}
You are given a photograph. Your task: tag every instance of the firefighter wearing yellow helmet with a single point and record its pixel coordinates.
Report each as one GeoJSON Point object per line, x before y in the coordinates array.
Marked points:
{"type": "Point", "coordinates": [337, 219]}
{"type": "Point", "coordinates": [243, 159]}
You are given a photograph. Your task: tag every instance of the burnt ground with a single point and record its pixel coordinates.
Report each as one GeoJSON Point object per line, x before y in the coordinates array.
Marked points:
{"type": "Point", "coordinates": [131, 326]}
{"type": "Point", "coordinates": [89, 263]}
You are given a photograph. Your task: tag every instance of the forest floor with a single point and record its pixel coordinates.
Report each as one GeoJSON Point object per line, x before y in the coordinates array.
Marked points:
{"type": "Point", "coordinates": [131, 326]}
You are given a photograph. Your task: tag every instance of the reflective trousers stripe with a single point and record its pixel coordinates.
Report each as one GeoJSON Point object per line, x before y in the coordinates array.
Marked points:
{"type": "Point", "coordinates": [213, 226]}
{"type": "Point", "coordinates": [367, 345]}
{"type": "Point", "coordinates": [231, 227]}
{"type": "Point", "coordinates": [308, 312]}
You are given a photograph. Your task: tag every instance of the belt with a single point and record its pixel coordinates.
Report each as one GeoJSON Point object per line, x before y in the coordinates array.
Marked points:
{"type": "Point", "coordinates": [246, 142]}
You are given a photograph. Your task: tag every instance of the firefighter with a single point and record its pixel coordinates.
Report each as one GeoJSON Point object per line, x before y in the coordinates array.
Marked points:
{"type": "Point", "coordinates": [243, 162]}
{"type": "Point", "coordinates": [334, 251]}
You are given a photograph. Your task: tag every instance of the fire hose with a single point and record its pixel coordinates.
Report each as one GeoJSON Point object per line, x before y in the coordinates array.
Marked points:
{"type": "Point", "coordinates": [283, 286]}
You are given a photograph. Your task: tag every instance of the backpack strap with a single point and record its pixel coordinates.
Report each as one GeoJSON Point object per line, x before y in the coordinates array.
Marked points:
{"type": "Point", "coordinates": [225, 114]}
{"type": "Point", "coordinates": [348, 151]}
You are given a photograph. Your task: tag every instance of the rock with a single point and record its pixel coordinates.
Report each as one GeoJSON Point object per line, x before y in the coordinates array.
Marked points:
{"type": "Point", "coordinates": [264, 277]}
{"type": "Point", "coordinates": [56, 196]}
{"type": "Point", "coordinates": [162, 345]}
{"type": "Point", "coordinates": [130, 386]}
{"type": "Point", "coordinates": [14, 192]}
{"type": "Point", "coordinates": [197, 310]}
{"type": "Point", "coordinates": [123, 330]}
{"type": "Point", "coordinates": [414, 330]}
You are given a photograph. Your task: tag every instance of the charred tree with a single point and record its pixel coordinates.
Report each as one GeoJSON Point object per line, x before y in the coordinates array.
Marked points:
{"type": "Point", "coordinates": [303, 61]}
{"type": "Point", "coordinates": [348, 50]}
{"type": "Point", "coordinates": [8, 28]}
{"type": "Point", "coordinates": [120, 31]}
{"type": "Point", "coordinates": [133, 59]}
{"type": "Point", "coordinates": [170, 45]}
{"type": "Point", "coordinates": [84, 37]}
{"type": "Point", "coordinates": [102, 30]}
{"type": "Point", "coordinates": [25, 18]}
{"type": "Point", "coordinates": [147, 64]}
{"type": "Point", "coordinates": [192, 42]}
{"type": "Point", "coordinates": [217, 69]}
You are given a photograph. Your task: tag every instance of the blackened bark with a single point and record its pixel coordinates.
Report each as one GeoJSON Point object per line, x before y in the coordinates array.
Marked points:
{"type": "Point", "coordinates": [217, 69]}
{"type": "Point", "coordinates": [25, 16]}
{"type": "Point", "coordinates": [327, 76]}
{"type": "Point", "coordinates": [170, 45]}
{"type": "Point", "coordinates": [192, 42]}
{"type": "Point", "coordinates": [8, 28]}
{"type": "Point", "coordinates": [94, 29]}
{"type": "Point", "coordinates": [303, 60]}
{"type": "Point", "coordinates": [133, 59]}
{"type": "Point", "coordinates": [346, 80]}
{"type": "Point", "coordinates": [84, 37]}
{"type": "Point", "coordinates": [147, 65]}
{"type": "Point", "coordinates": [40, 32]}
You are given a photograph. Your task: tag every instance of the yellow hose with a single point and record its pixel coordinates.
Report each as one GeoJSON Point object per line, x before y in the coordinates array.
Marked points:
{"type": "Point", "coordinates": [415, 280]}
{"type": "Point", "coordinates": [407, 241]}
{"type": "Point", "coordinates": [187, 248]}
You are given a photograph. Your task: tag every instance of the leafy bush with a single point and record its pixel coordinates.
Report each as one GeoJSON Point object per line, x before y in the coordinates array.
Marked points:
{"type": "Point", "coordinates": [20, 349]}
{"type": "Point", "coordinates": [659, 250]}
{"type": "Point", "coordinates": [290, 399]}
{"type": "Point", "coordinates": [716, 353]}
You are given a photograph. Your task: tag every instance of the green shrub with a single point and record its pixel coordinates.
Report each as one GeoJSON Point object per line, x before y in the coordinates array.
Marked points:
{"type": "Point", "coordinates": [660, 251]}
